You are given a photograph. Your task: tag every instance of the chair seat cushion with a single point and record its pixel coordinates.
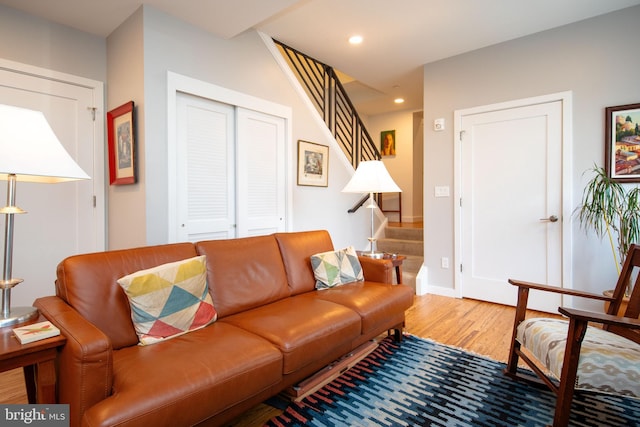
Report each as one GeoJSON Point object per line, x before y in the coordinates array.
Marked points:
{"type": "Point", "coordinates": [608, 362]}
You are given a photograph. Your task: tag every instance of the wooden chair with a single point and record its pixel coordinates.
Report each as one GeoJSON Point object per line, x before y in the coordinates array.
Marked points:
{"type": "Point", "coordinates": [571, 352]}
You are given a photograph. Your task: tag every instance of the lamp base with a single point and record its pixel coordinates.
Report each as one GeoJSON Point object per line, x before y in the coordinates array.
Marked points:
{"type": "Point", "coordinates": [19, 315]}
{"type": "Point", "coordinates": [372, 254]}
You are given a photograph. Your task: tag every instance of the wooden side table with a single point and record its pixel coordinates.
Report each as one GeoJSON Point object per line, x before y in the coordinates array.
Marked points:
{"type": "Point", "coordinates": [396, 261]}
{"type": "Point", "coordinates": [37, 359]}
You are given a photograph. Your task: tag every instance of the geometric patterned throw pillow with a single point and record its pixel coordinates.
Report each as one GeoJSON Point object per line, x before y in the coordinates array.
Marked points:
{"type": "Point", "coordinates": [169, 300]}
{"type": "Point", "coordinates": [335, 268]}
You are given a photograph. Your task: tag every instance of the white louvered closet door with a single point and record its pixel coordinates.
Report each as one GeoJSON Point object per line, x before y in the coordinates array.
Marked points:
{"type": "Point", "coordinates": [261, 173]}
{"type": "Point", "coordinates": [230, 166]}
{"type": "Point", "coordinates": [205, 169]}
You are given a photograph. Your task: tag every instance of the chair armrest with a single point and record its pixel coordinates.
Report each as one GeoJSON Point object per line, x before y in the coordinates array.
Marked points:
{"type": "Point", "coordinates": [377, 270]}
{"type": "Point", "coordinates": [605, 319]}
{"type": "Point", "coordinates": [547, 288]}
{"type": "Point", "coordinates": [85, 362]}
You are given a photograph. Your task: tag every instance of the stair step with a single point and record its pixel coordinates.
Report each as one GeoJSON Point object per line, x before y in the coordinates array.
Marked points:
{"type": "Point", "coordinates": [412, 264]}
{"type": "Point", "coordinates": [401, 247]}
{"type": "Point", "coordinates": [404, 233]}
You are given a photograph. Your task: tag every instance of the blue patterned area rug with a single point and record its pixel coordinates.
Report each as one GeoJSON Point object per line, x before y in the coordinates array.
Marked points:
{"type": "Point", "coordinates": [423, 383]}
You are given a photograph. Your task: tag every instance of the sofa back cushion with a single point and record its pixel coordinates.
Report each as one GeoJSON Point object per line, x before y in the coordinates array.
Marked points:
{"type": "Point", "coordinates": [296, 249]}
{"type": "Point", "coordinates": [244, 273]}
{"type": "Point", "coordinates": [88, 283]}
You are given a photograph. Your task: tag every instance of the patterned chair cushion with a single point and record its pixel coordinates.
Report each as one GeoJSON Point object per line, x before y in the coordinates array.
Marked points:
{"type": "Point", "coordinates": [169, 300]}
{"type": "Point", "coordinates": [608, 362]}
{"type": "Point", "coordinates": [335, 268]}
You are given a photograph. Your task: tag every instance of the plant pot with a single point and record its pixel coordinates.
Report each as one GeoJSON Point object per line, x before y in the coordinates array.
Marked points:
{"type": "Point", "coordinates": [623, 304]}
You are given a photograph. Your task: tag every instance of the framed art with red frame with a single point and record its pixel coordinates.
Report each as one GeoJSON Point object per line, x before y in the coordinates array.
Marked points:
{"type": "Point", "coordinates": [122, 145]}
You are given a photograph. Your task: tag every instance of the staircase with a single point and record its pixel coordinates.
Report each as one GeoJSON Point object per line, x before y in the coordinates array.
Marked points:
{"type": "Point", "coordinates": [408, 242]}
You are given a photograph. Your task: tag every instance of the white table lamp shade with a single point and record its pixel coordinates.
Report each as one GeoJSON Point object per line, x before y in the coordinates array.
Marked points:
{"type": "Point", "coordinates": [371, 177]}
{"type": "Point", "coordinates": [30, 149]}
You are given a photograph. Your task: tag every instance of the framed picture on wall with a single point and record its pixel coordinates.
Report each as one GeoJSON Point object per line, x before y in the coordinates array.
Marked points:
{"type": "Point", "coordinates": [388, 143]}
{"type": "Point", "coordinates": [313, 164]}
{"type": "Point", "coordinates": [622, 142]}
{"type": "Point", "coordinates": [122, 144]}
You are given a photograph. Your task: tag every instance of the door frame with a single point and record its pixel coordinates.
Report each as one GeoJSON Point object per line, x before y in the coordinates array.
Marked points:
{"type": "Point", "coordinates": [97, 178]}
{"type": "Point", "coordinates": [567, 144]}
{"type": "Point", "coordinates": [180, 83]}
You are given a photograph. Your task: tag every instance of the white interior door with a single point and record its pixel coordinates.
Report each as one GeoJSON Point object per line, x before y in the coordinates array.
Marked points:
{"type": "Point", "coordinates": [65, 218]}
{"type": "Point", "coordinates": [205, 169]}
{"type": "Point", "coordinates": [511, 194]}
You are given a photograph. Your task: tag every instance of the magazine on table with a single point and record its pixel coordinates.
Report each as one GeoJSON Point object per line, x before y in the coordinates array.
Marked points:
{"type": "Point", "coordinates": [36, 331]}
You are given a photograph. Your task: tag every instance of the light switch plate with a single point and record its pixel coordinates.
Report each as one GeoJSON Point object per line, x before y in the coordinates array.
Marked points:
{"type": "Point", "coordinates": [438, 124]}
{"type": "Point", "coordinates": [441, 191]}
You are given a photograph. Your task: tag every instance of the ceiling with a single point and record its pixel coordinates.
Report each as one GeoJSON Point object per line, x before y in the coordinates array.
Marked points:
{"type": "Point", "coordinates": [399, 36]}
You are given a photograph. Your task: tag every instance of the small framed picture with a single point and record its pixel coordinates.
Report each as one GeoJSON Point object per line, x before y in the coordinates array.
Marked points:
{"type": "Point", "coordinates": [388, 143]}
{"type": "Point", "coordinates": [313, 164]}
{"type": "Point", "coordinates": [122, 145]}
{"type": "Point", "coordinates": [622, 143]}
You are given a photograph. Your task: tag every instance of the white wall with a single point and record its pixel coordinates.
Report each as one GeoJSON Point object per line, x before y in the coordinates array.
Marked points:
{"type": "Point", "coordinates": [35, 41]}
{"type": "Point", "coordinates": [243, 64]}
{"type": "Point", "coordinates": [400, 166]}
{"type": "Point", "coordinates": [127, 203]}
{"type": "Point", "coordinates": [596, 59]}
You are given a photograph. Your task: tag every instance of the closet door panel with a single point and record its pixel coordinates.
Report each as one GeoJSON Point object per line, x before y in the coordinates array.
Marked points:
{"type": "Point", "coordinates": [260, 173]}
{"type": "Point", "coordinates": [206, 169]}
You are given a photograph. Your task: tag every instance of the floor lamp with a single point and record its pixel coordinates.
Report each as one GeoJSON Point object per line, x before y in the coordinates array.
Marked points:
{"type": "Point", "coordinates": [371, 177]}
{"type": "Point", "coordinates": [30, 152]}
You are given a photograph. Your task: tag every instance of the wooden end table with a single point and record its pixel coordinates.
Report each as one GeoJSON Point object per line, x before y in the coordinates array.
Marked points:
{"type": "Point", "coordinates": [396, 261]}
{"type": "Point", "coordinates": [37, 359]}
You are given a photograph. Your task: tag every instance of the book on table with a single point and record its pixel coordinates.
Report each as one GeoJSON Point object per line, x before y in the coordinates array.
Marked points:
{"type": "Point", "coordinates": [35, 331]}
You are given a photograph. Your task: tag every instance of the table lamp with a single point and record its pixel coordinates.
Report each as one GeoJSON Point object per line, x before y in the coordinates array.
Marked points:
{"type": "Point", "coordinates": [371, 177]}
{"type": "Point", "coordinates": [30, 152]}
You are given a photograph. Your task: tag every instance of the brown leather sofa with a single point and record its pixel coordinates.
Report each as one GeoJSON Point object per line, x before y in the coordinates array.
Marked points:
{"type": "Point", "coordinates": [273, 330]}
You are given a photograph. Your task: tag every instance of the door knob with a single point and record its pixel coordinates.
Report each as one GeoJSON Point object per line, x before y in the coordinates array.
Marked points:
{"type": "Point", "coordinates": [552, 218]}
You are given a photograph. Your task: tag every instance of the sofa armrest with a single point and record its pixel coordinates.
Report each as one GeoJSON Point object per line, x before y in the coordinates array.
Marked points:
{"type": "Point", "coordinates": [85, 362]}
{"type": "Point", "coordinates": [377, 270]}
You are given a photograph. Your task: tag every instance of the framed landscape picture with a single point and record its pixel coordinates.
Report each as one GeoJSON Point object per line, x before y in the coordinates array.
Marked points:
{"type": "Point", "coordinates": [122, 145]}
{"type": "Point", "coordinates": [622, 142]}
{"type": "Point", "coordinates": [313, 164]}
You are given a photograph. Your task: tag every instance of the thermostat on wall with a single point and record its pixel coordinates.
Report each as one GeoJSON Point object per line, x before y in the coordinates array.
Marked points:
{"type": "Point", "coordinates": [438, 124]}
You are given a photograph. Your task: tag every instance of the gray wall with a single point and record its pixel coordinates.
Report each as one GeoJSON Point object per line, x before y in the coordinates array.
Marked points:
{"type": "Point", "coordinates": [597, 59]}
{"type": "Point", "coordinates": [161, 43]}
{"type": "Point", "coordinates": [34, 41]}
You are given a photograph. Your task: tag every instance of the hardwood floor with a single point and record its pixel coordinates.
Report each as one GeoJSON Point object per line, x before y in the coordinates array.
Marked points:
{"type": "Point", "coordinates": [477, 326]}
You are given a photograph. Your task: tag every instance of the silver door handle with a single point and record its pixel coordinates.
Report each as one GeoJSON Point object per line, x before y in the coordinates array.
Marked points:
{"type": "Point", "coordinates": [552, 218]}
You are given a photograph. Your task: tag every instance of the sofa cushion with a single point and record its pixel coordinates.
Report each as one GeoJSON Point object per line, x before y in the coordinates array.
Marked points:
{"type": "Point", "coordinates": [296, 249]}
{"type": "Point", "coordinates": [379, 305]}
{"type": "Point", "coordinates": [335, 268]}
{"type": "Point", "coordinates": [244, 273]}
{"type": "Point", "coordinates": [184, 381]}
{"type": "Point", "coordinates": [169, 300]}
{"type": "Point", "coordinates": [88, 281]}
{"type": "Point", "coordinates": [305, 329]}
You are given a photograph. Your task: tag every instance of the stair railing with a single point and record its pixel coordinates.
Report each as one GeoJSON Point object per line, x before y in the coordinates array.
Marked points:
{"type": "Point", "coordinates": [328, 95]}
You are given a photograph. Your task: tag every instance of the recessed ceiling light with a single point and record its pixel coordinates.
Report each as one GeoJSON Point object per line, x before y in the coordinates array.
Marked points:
{"type": "Point", "coordinates": [398, 100]}
{"type": "Point", "coordinates": [355, 39]}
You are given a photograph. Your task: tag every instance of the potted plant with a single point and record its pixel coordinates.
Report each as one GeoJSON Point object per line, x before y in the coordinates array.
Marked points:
{"type": "Point", "coordinates": [609, 208]}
